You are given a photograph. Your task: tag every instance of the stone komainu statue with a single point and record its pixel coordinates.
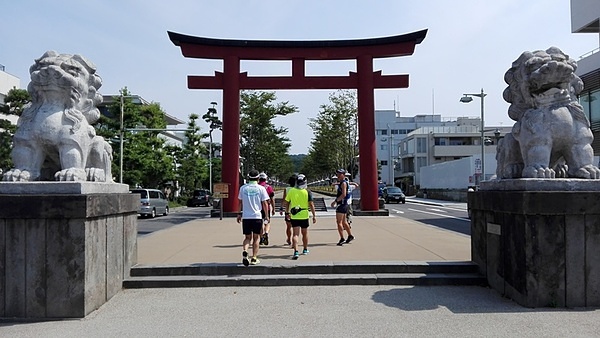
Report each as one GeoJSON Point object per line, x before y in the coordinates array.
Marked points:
{"type": "Point", "coordinates": [552, 136]}
{"type": "Point", "coordinates": [54, 138]}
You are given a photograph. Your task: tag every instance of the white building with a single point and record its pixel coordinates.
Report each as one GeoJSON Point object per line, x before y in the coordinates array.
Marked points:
{"type": "Point", "coordinates": [391, 129]}
{"type": "Point", "coordinates": [7, 82]}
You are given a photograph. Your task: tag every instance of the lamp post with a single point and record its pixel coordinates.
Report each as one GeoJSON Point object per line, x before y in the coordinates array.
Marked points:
{"type": "Point", "coordinates": [212, 112]}
{"type": "Point", "coordinates": [466, 99]}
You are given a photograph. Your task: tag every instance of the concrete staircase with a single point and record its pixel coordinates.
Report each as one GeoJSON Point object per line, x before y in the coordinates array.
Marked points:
{"type": "Point", "coordinates": [355, 273]}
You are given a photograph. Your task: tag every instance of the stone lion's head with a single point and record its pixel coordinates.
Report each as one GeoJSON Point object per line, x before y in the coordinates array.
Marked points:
{"type": "Point", "coordinates": [70, 80]}
{"type": "Point", "coordinates": [538, 78]}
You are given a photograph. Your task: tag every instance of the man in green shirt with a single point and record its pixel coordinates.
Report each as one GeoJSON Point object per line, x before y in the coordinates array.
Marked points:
{"type": "Point", "coordinates": [298, 201]}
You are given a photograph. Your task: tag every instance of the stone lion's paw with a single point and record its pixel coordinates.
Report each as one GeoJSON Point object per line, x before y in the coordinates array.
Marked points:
{"type": "Point", "coordinates": [561, 170]}
{"type": "Point", "coordinates": [71, 174]}
{"type": "Point", "coordinates": [538, 171]}
{"type": "Point", "coordinates": [95, 174]}
{"type": "Point", "coordinates": [589, 171]}
{"type": "Point", "coordinates": [16, 175]}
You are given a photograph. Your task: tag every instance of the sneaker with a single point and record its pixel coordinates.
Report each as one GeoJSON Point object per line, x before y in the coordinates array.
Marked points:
{"type": "Point", "coordinates": [296, 255]}
{"type": "Point", "coordinates": [266, 239]}
{"type": "Point", "coordinates": [305, 252]}
{"type": "Point", "coordinates": [254, 261]}
{"type": "Point", "coordinates": [288, 242]}
{"type": "Point", "coordinates": [262, 240]}
{"type": "Point", "coordinates": [245, 260]}
{"type": "Point", "coordinates": [350, 238]}
{"type": "Point", "coordinates": [341, 242]}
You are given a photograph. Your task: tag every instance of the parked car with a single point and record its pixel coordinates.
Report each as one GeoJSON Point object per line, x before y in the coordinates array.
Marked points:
{"type": "Point", "coordinates": [200, 197]}
{"type": "Point", "coordinates": [152, 202]}
{"type": "Point", "coordinates": [393, 194]}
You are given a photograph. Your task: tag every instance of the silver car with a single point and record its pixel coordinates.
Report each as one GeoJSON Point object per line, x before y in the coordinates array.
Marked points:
{"type": "Point", "coordinates": [152, 202]}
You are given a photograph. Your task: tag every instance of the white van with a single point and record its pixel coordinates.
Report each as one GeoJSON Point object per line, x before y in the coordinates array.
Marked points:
{"type": "Point", "coordinates": [152, 202]}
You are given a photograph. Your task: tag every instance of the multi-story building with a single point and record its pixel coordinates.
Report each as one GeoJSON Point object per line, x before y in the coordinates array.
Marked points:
{"type": "Point", "coordinates": [391, 129]}
{"type": "Point", "coordinates": [585, 18]}
{"type": "Point", "coordinates": [7, 82]}
{"type": "Point", "coordinates": [427, 146]}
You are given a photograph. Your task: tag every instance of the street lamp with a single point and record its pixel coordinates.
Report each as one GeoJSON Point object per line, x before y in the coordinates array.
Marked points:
{"type": "Point", "coordinates": [212, 112]}
{"type": "Point", "coordinates": [466, 99]}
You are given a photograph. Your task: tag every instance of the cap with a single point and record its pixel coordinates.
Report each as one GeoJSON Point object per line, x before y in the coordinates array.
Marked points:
{"type": "Point", "coordinates": [253, 174]}
{"type": "Point", "coordinates": [262, 176]}
{"type": "Point", "coordinates": [301, 181]}
{"type": "Point", "coordinates": [340, 171]}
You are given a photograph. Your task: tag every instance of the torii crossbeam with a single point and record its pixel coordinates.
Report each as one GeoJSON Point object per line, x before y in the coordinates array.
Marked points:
{"type": "Point", "coordinates": [365, 80]}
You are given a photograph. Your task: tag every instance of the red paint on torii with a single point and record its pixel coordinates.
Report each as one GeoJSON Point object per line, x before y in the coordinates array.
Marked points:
{"type": "Point", "coordinates": [231, 81]}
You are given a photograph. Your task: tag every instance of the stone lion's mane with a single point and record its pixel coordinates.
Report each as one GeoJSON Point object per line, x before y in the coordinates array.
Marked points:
{"type": "Point", "coordinates": [519, 94]}
{"type": "Point", "coordinates": [83, 101]}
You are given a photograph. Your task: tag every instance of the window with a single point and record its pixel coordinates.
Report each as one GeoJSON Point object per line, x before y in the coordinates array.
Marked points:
{"type": "Point", "coordinates": [383, 147]}
{"type": "Point", "coordinates": [384, 132]}
{"type": "Point", "coordinates": [440, 141]}
{"type": "Point", "coordinates": [384, 163]}
{"type": "Point", "coordinates": [421, 145]}
{"type": "Point", "coordinates": [394, 131]}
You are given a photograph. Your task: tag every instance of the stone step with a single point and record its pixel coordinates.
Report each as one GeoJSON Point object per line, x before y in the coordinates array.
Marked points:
{"type": "Point", "coordinates": [353, 273]}
{"type": "Point", "coordinates": [421, 279]}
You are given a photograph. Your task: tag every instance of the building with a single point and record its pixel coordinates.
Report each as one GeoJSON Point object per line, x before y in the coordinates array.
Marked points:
{"type": "Point", "coordinates": [585, 18]}
{"type": "Point", "coordinates": [171, 137]}
{"type": "Point", "coordinates": [7, 82]}
{"type": "Point", "coordinates": [433, 145]}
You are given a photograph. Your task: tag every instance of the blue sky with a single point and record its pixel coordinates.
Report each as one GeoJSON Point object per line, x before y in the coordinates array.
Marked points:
{"type": "Point", "coordinates": [470, 45]}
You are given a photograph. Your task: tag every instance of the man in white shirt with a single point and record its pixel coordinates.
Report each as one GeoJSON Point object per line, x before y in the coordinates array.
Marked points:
{"type": "Point", "coordinates": [253, 199]}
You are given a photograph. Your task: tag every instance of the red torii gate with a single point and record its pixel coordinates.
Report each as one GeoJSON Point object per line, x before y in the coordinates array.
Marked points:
{"type": "Point", "coordinates": [231, 81]}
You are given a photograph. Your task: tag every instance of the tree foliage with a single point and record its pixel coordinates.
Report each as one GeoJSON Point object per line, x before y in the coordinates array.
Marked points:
{"type": "Point", "coordinates": [14, 103]}
{"type": "Point", "coordinates": [264, 147]}
{"type": "Point", "coordinates": [334, 143]}
{"type": "Point", "coordinates": [192, 165]}
{"type": "Point", "coordinates": [146, 161]}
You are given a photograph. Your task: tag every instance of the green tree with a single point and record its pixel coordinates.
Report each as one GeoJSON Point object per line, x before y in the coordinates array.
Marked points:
{"type": "Point", "coordinates": [193, 166]}
{"type": "Point", "coordinates": [263, 146]}
{"type": "Point", "coordinates": [146, 161]}
{"type": "Point", "coordinates": [213, 124]}
{"type": "Point", "coordinates": [14, 103]}
{"type": "Point", "coordinates": [334, 144]}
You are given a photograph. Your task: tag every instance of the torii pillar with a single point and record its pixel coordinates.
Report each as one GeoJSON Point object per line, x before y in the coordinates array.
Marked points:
{"type": "Point", "coordinates": [365, 81]}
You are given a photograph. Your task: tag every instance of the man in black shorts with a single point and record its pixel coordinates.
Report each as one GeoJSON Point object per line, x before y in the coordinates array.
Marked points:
{"type": "Point", "coordinates": [298, 201]}
{"type": "Point", "coordinates": [253, 199]}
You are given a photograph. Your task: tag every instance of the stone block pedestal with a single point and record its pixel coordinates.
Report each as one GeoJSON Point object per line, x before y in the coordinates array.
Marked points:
{"type": "Point", "coordinates": [539, 247]}
{"type": "Point", "coordinates": [63, 255]}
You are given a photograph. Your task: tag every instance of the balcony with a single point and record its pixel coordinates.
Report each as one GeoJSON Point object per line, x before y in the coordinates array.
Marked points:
{"type": "Point", "coordinates": [459, 151]}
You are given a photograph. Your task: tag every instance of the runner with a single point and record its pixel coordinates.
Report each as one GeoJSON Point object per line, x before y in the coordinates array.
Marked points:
{"type": "Point", "coordinates": [253, 199]}
{"type": "Point", "coordinates": [341, 200]}
{"type": "Point", "coordinates": [262, 180]}
{"type": "Point", "coordinates": [297, 203]}
{"type": "Point", "coordinates": [288, 223]}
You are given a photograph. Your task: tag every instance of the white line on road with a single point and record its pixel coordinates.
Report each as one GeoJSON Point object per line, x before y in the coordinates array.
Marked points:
{"type": "Point", "coordinates": [436, 214]}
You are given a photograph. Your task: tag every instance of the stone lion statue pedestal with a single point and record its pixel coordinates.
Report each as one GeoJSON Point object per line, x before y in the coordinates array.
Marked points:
{"type": "Point", "coordinates": [65, 247]}
{"type": "Point", "coordinates": [535, 230]}
{"type": "Point", "coordinates": [538, 241]}
{"type": "Point", "coordinates": [68, 234]}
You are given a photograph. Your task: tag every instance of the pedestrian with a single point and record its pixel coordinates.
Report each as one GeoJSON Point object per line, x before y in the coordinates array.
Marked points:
{"type": "Point", "coordinates": [341, 200]}
{"type": "Point", "coordinates": [351, 186]}
{"type": "Point", "coordinates": [288, 223]}
{"type": "Point", "coordinates": [298, 202]}
{"type": "Point", "coordinates": [262, 180]}
{"type": "Point", "coordinates": [253, 199]}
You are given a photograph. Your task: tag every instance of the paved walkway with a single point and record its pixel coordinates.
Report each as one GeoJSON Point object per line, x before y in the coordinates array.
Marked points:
{"type": "Point", "coordinates": [315, 311]}
{"type": "Point", "coordinates": [380, 238]}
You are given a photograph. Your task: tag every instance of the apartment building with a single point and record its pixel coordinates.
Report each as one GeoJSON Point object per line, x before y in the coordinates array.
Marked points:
{"type": "Point", "coordinates": [7, 82]}
{"type": "Point", "coordinates": [585, 18]}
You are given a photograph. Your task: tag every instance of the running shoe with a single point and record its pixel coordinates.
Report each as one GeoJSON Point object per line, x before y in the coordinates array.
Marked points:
{"type": "Point", "coordinates": [350, 238]}
{"type": "Point", "coordinates": [341, 242]}
{"type": "Point", "coordinates": [262, 240]}
{"type": "Point", "coordinates": [266, 239]}
{"type": "Point", "coordinates": [296, 255]}
{"type": "Point", "coordinates": [305, 252]}
{"type": "Point", "coordinates": [288, 242]}
{"type": "Point", "coordinates": [254, 261]}
{"type": "Point", "coordinates": [245, 258]}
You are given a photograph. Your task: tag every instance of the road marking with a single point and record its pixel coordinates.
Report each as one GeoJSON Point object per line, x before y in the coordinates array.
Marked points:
{"type": "Point", "coordinates": [398, 211]}
{"type": "Point", "coordinates": [436, 214]}
{"type": "Point", "coordinates": [438, 210]}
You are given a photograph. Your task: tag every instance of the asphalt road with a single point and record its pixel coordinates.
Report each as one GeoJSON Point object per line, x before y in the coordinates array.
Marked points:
{"type": "Point", "coordinates": [452, 216]}
{"type": "Point", "coordinates": [178, 216]}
